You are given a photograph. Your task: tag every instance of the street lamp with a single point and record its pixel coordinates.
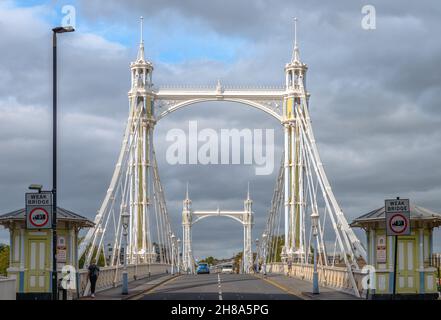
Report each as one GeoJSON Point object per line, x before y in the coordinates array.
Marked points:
{"type": "Point", "coordinates": [37, 187]}
{"type": "Point", "coordinates": [257, 255]}
{"type": "Point", "coordinates": [314, 221]}
{"type": "Point", "coordinates": [173, 237]}
{"type": "Point", "coordinates": [54, 156]}
{"type": "Point", "coordinates": [179, 255]}
{"type": "Point", "coordinates": [190, 266]}
{"type": "Point", "coordinates": [125, 218]}
{"type": "Point", "coordinates": [264, 236]}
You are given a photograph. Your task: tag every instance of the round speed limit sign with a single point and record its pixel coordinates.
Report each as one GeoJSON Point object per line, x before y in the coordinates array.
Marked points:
{"type": "Point", "coordinates": [39, 217]}
{"type": "Point", "coordinates": [398, 223]}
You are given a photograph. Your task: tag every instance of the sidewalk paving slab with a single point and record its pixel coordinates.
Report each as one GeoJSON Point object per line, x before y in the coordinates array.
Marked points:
{"type": "Point", "coordinates": [135, 288]}
{"type": "Point", "coordinates": [303, 288]}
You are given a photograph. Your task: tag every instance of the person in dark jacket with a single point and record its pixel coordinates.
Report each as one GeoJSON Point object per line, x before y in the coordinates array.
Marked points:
{"type": "Point", "coordinates": [94, 272]}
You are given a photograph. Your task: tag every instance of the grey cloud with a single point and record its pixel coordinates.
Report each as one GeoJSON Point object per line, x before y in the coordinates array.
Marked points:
{"type": "Point", "coordinates": [374, 105]}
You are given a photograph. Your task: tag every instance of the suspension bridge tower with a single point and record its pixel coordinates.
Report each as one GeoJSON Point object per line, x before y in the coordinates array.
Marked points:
{"type": "Point", "coordinates": [244, 217]}
{"type": "Point", "coordinates": [296, 97]}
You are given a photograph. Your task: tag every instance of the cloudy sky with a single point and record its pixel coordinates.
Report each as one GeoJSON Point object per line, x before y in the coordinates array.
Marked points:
{"type": "Point", "coordinates": [375, 101]}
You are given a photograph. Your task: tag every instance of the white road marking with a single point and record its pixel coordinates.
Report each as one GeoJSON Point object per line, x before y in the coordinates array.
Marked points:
{"type": "Point", "coordinates": [220, 289]}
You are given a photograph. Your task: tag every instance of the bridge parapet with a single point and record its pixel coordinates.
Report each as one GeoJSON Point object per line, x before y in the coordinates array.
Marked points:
{"type": "Point", "coordinates": [7, 288]}
{"type": "Point", "coordinates": [334, 277]}
{"type": "Point", "coordinates": [111, 277]}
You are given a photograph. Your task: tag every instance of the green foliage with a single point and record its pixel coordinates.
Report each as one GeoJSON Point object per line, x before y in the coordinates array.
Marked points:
{"type": "Point", "coordinates": [237, 262]}
{"type": "Point", "coordinates": [4, 258]}
{"type": "Point", "coordinates": [101, 259]}
{"type": "Point", "coordinates": [210, 260]}
{"type": "Point", "coordinates": [278, 242]}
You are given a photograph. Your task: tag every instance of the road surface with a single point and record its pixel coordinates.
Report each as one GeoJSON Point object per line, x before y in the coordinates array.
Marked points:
{"type": "Point", "coordinates": [217, 287]}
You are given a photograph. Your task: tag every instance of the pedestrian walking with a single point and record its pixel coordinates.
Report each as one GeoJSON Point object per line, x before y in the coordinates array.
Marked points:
{"type": "Point", "coordinates": [94, 272]}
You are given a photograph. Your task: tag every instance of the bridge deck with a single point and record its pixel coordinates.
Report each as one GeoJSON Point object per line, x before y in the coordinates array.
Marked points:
{"type": "Point", "coordinates": [222, 287]}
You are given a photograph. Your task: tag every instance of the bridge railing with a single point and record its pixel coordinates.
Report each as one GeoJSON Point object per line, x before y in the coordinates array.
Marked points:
{"type": "Point", "coordinates": [334, 277]}
{"type": "Point", "coordinates": [110, 277]}
{"type": "Point", "coordinates": [7, 288]}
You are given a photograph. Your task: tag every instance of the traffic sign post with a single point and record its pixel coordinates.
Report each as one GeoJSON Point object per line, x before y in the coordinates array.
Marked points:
{"type": "Point", "coordinates": [39, 210]}
{"type": "Point", "coordinates": [397, 213]}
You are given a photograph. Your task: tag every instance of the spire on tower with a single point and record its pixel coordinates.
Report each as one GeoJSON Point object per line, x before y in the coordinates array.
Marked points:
{"type": "Point", "coordinates": [141, 55]}
{"type": "Point", "coordinates": [248, 202]}
{"type": "Point", "coordinates": [186, 193]}
{"type": "Point", "coordinates": [296, 52]}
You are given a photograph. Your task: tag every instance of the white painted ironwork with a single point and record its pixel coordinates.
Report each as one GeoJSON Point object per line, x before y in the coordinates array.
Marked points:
{"type": "Point", "coordinates": [190, 217]}
{"type": "Point", "coordinates": [302, 186]}
{"type": "Point", "coordinates": [135, 187]}
{"type": "Point", "coordinates": [306, 190]}
{"type": "Point", "coordinates": [268, 100]}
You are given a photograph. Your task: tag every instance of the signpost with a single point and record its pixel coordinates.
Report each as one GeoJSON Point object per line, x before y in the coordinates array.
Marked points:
{"type": "Point", "coordinates": [397, 212]}
{"type": "Point", "coordinates": [39, 210]}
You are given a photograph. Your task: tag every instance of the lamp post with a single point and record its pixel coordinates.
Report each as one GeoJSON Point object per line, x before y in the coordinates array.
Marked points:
{"type": "Point", "coordinates": [125, 217]}
{"type": "Point", "coordinates": [179, 255]}
{"type": "Point", "coordinates": [173, 237]}
{"type": "Point", "coordinates": [264, 237]}
{"type": "Point", "coordinates": [190, 262]}
{"type": "Point", "coordinates": [257, 255]}
{"type": "Point", "coordinates": [54, 156]}
{"type": "Point", "coordinates": [314, 220]}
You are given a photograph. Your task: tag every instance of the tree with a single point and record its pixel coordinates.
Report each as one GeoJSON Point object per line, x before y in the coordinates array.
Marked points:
{"type": "Point", "coordinates": [4, 258]}
{"type": "Point", "coordinates": [276, 242]}
{"type": "Point", "coordinates": [237, 262]}
{"type": "Point", "coordinates": [101, 259]}
{"type": "Point", "coordinates": [210, 261]}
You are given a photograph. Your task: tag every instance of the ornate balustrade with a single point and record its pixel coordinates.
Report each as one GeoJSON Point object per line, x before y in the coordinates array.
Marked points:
{"type": "Point", "coordinates": [334, 277]}
{"type": "Point", "coordinates": [110, 277]}
{"type": "Point", "coordinates": [7, 288]}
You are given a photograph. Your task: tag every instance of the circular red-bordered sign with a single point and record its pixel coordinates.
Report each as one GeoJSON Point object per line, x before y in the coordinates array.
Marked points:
{"type": "Point", "coordinates": [398, 223]}
{"type": "Point", "coordinates": [38, 217]}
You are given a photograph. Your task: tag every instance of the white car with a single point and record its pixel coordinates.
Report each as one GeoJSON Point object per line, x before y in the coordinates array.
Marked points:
{"type": "Point", "coordinates": [227, 268]}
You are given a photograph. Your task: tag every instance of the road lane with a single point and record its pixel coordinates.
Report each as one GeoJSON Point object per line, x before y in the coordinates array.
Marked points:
{"type": "Point", "coordinates": [218, 287]}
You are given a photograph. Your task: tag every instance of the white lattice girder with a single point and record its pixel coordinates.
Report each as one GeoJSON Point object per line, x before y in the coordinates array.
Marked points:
{"type": "Point", "coordinates": [236, 215]}
{"type": "Point", "coordinates": [267, 100]}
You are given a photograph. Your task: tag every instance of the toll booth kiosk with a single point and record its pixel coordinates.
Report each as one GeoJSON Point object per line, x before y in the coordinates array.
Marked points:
{"type": "Point", "coordinates": [416, 277]}
{"type": "Point", "coordinates": [30, 261]}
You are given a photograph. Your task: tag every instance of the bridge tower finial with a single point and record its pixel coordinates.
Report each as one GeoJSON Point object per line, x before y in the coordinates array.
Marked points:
{"type": "Point", "coordinates": [296, 51]}
{"type": "Point", "coordinates": [142, 70]}
{"type": "Point", "coordinates": [248, 202]}
{"type": "Point", "coordinates": [142, 30]}
{"type": "Point", "coordinates": [295, 70]}
{"type": "Point", "coordinates": [187, 201]}
{"type": "Point", "coordinates": [295, 32]}
{"type": "Point", "coordinates": [141, 54]}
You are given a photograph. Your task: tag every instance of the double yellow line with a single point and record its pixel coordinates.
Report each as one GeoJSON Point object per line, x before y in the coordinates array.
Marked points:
{"type": "Point", "coordinates": [150, 290]}
{"type": "Point", "coordinates": [297, 294]}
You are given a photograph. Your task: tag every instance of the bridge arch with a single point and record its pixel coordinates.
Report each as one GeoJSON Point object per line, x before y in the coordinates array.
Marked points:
{"type": "Point", "coordinates": [189, 217]}
{"type": "Point", "coordinates": [272, 108]}
{"type": "Point", "coordinates": [199, 218]}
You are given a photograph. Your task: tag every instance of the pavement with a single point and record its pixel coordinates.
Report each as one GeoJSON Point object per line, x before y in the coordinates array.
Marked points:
{"type": "Point", "coordinates": [303, 288]}
{"type": "Point", "coordinates": [218, 287]}
{"type": "Point", "coordinates": [135, 288]}
{"type": "Point", "coordinates": [221, 287]}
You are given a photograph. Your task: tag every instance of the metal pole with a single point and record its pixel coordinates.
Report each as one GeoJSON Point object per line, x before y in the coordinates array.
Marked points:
{"type": "Point", "coordinates": [125, 282]}
{"type": "Point", "coordinates": [179, 256]}
{"type": "Point", "coordinates": [395, 264]}
{"type": "Point", "coordinates": [54, 168]}
{"type": "Point", "coordinates": [315, 287]}
{"type": "Point", "coordinates": [264, 245]}
{"type": "Point", "coordinates": [173, 259]}
{"type": "Point", "coordinates": [395, 267]}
